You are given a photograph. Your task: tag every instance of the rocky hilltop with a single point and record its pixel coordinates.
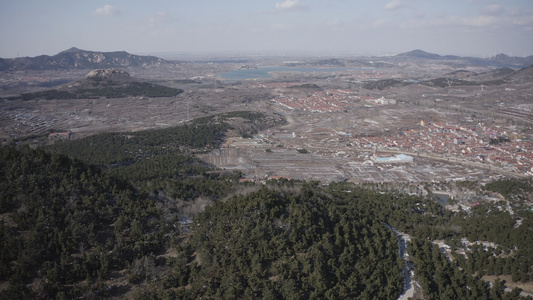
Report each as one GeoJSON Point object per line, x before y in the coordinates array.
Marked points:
{"type": "Point", "coordinates": [75, 58]}
{"type": "Point", "coordinates": [103, 83]}
{"type": "Point", "coordinates": [107, 74]}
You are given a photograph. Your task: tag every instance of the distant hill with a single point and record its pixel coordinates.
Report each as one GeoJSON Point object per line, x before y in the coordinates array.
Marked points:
{"type": "Point", "coordinates": [511, 60]}
{"type": "Point", "coordinates": [501, 72]}
{"type": "Point", "coordinates": [103, 83]}
{"type": "Point", "coordinates": [523, 75]}
{"type": "Point", "coordinates": [75, 58]}
{"type": "Point", "coordinates": [461, 74]}
{"type": "Point", "coordinates": [419, 54]}
{"type": "Point", "coordinates": [329, 62]}
{"type": "Point", "coordinates": [384, 84]}
{"type": "Point", "coordinates": [500, 60]}
{"type": "Point", "coordinates": [498, 73]}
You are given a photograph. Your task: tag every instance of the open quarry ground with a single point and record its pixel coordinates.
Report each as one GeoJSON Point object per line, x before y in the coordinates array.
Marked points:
{"type": "Point", "coordinates": [350, 165]}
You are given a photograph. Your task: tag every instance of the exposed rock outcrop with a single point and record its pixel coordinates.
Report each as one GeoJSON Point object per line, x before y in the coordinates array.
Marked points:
{"type": "Point", "coordinates": [108, 74]}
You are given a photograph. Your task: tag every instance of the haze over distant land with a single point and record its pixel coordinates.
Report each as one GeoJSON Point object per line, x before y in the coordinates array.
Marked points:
{"type": "Point", "coordinates": [75, 58]}
{"type": "Point", "coordinates": [347, 27]}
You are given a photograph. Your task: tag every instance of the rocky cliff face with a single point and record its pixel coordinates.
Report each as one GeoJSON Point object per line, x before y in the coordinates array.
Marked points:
{"type": "Point", "coordinates": [75, 58]}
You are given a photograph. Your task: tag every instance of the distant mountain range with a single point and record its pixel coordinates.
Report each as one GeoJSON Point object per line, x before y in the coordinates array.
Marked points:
{"type": "Point", "coordinates": [499, 60]}
{"type": "Point", "coordinates": [494, 77]}
{"type": "Point", "coordinates": [75, 58]}
{"type": "Point", "coordinates": [422, 57]}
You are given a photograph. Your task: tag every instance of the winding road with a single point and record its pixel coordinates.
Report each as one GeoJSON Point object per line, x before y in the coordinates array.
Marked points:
{"type": "Point", "coordinates": [408, 283]}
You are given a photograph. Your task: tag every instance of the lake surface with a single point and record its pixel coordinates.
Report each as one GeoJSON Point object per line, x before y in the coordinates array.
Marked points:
{"type": "Point", "coordinates": [266, 72]}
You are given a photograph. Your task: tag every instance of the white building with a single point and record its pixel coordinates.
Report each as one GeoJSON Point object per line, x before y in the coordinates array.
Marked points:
{"type": "Point", "coordinates": [385, 101]}
{"type": "Point", "coordinates": [399, 158]}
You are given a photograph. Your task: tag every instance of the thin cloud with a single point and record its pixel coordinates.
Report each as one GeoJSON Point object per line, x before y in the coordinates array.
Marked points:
{"type": "Point", "coordinates": [106, 10]}
{"type": "Point", "coordinates": [380, 23]}
{"type": "Point", "coordinates": [282, 27]}
{"type": "Point", "coordinates": [493, 9]}
{"type": "Point", "coordinates": [525, 20]}
{"type": "Point", "coordinates": [473, 21]}
{"type": "Point", "coordinates": [335, 22]}
{"type": "Point", "coordinates": [514, 12]}
{"type": "Point", "coordinates": [290, 5]}
{"type": "Point", "coordinates": [160, 17]}
{"type": "Point", "coordinates": [480, 21]}
{"type": "Point", "coordinates": [394, 4]}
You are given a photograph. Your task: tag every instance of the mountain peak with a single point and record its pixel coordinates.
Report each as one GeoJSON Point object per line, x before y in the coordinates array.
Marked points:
{"type": "Point", "coordinates": [72, 50]}
{"type": "Point", "coordinates": [418, 54]}
{"type": "Point", "coordinates": [500, 56]}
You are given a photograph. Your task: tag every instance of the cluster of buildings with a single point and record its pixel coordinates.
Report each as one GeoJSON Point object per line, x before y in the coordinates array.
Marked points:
{"type": "Point", "coordinates": [322, 101]}
{"type": "Point", "coordinates": [502, 147]}
{"type": "Point", "coordinates": [275, 85]}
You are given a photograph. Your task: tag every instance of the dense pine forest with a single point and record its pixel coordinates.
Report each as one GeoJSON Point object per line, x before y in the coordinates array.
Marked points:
{"type": "Point", "coordinates": [132, 89]}
{"type": "Point", "coordinates": [137, 215]}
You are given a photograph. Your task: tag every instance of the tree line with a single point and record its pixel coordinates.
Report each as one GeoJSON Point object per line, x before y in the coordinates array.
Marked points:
{"type": "Point", "coordinates": [132, 89]}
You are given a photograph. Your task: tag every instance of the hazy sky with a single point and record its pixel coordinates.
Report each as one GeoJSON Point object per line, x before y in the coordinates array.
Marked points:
{"type": "Point", "coordinates": [459, 27]}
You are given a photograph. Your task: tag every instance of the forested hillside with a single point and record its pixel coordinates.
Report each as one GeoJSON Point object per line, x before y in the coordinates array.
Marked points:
{"type": "Point", "coordinates": [281, 244]}
{"type": "Point", "coordinates": [163, 160]}
{"type": "Point", "coordinates": [131, 89]}
{"type": "Point", "coordinates": [66, 225]}
{"type": "Point", "coordinates": [137, 215]}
